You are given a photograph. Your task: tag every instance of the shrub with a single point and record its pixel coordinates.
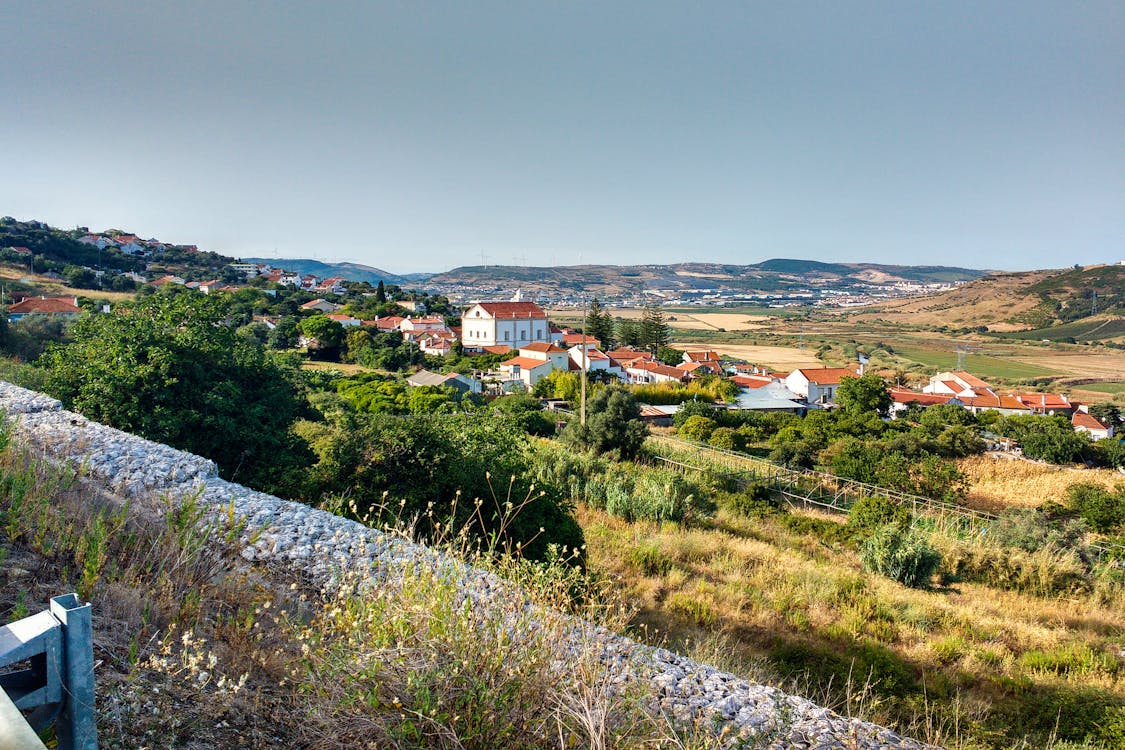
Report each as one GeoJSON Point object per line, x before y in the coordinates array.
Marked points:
{"type": "Point", "coordinates": [869, 513]}
{"type": "Point", "coordinates": [1030, 529]}
{"type": "Point", "coordinates": [725, 438]}
{"type": "Point", "coordinates": [697, 428]}
{"type": "Point", "coordinates": [650, 559]}
{"type": "Point", "coordinates": [1102, 509]}
{"type": "Point", "coordinates": [900, 554]}
{"type": "Point", "coordinates": [755, 501]}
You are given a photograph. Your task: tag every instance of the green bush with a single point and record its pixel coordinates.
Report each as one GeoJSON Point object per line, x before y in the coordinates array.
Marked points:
{"type": "Point", "coordinates": [725, 438]}
{"type": "Point", "coordinates": [754, 501]}
{"type": "Point", "coordinates": [900, 554]}
{"type": "Point", "coordinates": [697, 428]}
{"type": "Point", "coordinates": [1102, 509]}
{"type": "Point", "coordinates": [874, 511]}
{"type": "Point", "coordinates": [1030, 529]}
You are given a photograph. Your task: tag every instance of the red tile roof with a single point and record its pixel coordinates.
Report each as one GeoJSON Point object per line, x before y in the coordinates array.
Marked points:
{"type": "Point", "coordinates": [526, 363]}
{"type": "Point", "coordinates": [544, 347]}
{"type": "Point", "coordinates": [53, 305]}
{"type": "Point", "coordinates": [827, 375]}
{"type": "Point", "coordinates": [576, 339]}
{"type": "Point", "coordinates": [903, 396]}
{"type": "Point", "coordinates": [497, 349]}
{"type": "Point", "coordinates": [705, 356]}
{"type": "Point", "coordinates": [1087, 420]}
{"type": "Point", "coordinates": [658, 369]}
{"type": "Point", "coordinates": [972, 380]}
{"type": "Point", "coordinates": [513, 310]}
{"type": "Point", "coordinates": [751, 381]}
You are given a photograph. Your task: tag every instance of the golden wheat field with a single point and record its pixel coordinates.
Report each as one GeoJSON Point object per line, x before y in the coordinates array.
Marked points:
{"type": "Point", "coordinates": [782, 358]}
{"type": "Point", "coordinates": [999, 483]}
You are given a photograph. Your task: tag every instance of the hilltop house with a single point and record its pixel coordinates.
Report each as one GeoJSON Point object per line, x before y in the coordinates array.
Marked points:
{"type": "Point", "coordinates": [818, 385]}
{"type": "Point", "coordinates": [512, 324]}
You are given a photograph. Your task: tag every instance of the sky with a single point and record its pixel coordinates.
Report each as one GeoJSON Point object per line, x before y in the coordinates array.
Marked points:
{"type": "Point", "coordinates": [419, 136]}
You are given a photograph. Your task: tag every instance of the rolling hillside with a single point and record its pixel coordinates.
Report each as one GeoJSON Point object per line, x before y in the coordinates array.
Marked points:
{"type": "Point", "coordinates": [1084, 303]}
{"type": "Point", "coordinates": [349, 271]}
{"type": "Point", "coordinates": [777, 275]}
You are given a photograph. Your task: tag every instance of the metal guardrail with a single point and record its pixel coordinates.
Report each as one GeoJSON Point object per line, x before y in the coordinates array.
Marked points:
{"type": "Point", "coordinates": [58, 685]}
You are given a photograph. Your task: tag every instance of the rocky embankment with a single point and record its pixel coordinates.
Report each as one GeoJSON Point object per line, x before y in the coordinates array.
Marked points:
{"type": "Point", "coordinates": [317, 546]}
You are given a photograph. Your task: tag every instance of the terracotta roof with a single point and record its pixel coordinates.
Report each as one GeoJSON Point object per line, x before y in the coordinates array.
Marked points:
{"type": "Point", "coordinates": [1087, 420]}
{"type": "Point", "coordinates": [629, 354]}
{"type": "Point", "coordinates": [953, 386]}
{"type": "Point", "coordinates": [659, 369]}
{"type": "Point", "coordinates": [544, 347]}
{"type": "Point", "coordinates": [55, 305]}
{"type": "Point", "coordinates": [526, 363]}
{"type": "Point", "coordinates": [513, 310]}
{"type": "Point", "coordinates": [827, 375]}
{"type": "Point", "coordinates": [751, 381]}
{"type": "Point", "coordinates": [497, 349]}
{"type": "Point", "coordinates": [706, 356]}
{"type": "Point", "coordinates": [972, 380]}
{"type": "Point", "coordinates": [903, 396]}
{"type": "Point", "coordinates": [575, 339]}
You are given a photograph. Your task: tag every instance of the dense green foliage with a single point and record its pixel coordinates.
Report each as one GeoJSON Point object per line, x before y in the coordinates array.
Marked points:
{"type": "Point", "coordinates": [436, 473]}
{"type": "Point", "coordinates": [1051, 439]}
{"type": "Point", "coordinates": [613, 426]}
{"type": "Point", "coordinates": [169, 369]}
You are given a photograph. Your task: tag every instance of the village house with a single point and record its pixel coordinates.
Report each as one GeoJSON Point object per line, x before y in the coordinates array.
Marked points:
{"type": "Point", "coordinates": [453, 380]}
{"type": "Point", "coordinates": [640, 372]}
{"type": "Point", "coordinates": [53, 306]}
{"type": "Point", "coordinates": [818, 385]}
{"type": "Point", "coordinates": [1083, 421]}
{"type": "Point", "coordinates": [347, 321]}
{"type": "Point", "coordinates": [321, 305]}
{"type": "Point", "coordinates": [512, 324]}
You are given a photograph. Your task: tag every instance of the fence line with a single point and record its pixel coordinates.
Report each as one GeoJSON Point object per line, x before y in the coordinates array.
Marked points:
{"type": "Point", "coordinates": [829, 491]}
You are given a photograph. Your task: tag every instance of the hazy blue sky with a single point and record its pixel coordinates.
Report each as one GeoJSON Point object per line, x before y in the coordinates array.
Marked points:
{"type": "Point", "coordinates": [415, 136]}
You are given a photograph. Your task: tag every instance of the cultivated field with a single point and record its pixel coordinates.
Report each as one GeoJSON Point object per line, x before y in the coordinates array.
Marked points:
{"type": "Point", "coordinates": [782, 358]}
{"type": "Point", "coordinates": [724, 321]}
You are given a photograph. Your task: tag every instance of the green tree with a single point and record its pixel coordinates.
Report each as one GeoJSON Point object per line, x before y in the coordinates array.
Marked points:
{"type": "Point", "coordinates": [613, 426]}
{"type": "Point", "coordinates": [599, 324]}
{"type": "Point", "coordinates": [381, 293]}
{"type": "Point", "coordinates": [654, 331]}
{"type": "Point", "coordinates": [285, 334]}
{"type": "Point", "coordinates": [326, 336]}
{"type": "Point", "coordinates": [863, 394]}
{"type": "Point", "coordinates": [170, 369]}
{"type": "Point", "coordinates": [628, 333]}
{"type": "Point", "coordinates": [669, 356]}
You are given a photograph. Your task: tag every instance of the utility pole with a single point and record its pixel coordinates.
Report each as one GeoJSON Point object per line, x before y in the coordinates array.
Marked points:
{"type": "Point", "coordinates": [582, 413]}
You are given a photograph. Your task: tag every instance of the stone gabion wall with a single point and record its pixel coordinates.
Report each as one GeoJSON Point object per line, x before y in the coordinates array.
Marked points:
{"type": "Point", "coordinates": [317, 545]}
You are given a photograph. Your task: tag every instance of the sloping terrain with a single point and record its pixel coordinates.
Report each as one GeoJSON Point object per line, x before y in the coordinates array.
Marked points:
{"type": "Point", "coordinates": [1024, 301]}
{"type": "Point", "coordinates": [777, 275]}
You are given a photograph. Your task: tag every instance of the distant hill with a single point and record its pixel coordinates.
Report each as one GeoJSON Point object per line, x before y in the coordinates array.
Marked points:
{"type": "Point", "coordinates": [349, 271]}
{"type": "Point", "coordinates": [777, 275]}
{"type": "Point", "coordinates": [1083, 303]}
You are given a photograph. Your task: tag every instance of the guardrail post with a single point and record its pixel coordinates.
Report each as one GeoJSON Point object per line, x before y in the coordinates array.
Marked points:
{"type": "Point", "coordinates": [77, 725]}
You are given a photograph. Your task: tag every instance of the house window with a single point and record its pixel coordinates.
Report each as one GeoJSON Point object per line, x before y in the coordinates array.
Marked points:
{"type": "Point", "coordinates": [505, 335]}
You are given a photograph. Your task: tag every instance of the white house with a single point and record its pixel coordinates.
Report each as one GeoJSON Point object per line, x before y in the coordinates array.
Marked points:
{"type": "Point", "coordinates": [347, 321]}
{"type": "Point", "coordinates": [512, 324]}
{"type": "Point", "coordinates": [817, 385]}
{"type": "Point", "coordinates": [595, 360]}
{"type": "Point", "coordinates": [556, 355]}
{"type": "Point", "coordinates": [641, 371]}
{"type": "Point", "coordinates": [527, 369]}
{"type": "Point", "coordinates": [1084, 421]}
{"type": "Point", "coordinates": [453, 380]}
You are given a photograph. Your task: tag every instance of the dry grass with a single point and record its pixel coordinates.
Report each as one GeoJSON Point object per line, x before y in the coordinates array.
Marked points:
{"type": "Point", "coordinates": [1000, 483]}
{"type": "Point", "coordinates": [752, 593]}
{"type": "Point", "coordinates": [53, 288]}
{"type": "Point", "coordinates": [782, 358]}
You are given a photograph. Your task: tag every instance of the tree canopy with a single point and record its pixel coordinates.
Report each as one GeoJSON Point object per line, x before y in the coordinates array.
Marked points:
{"type": "Point", "coordinates": [170, 368]}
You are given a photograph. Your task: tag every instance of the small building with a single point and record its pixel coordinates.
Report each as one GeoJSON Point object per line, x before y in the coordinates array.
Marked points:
{"type": "Point", "coordinates": [818, 385]}
{"type": "Point", "coordinates": [54, 306]}
{"type": "Point", "coordinates": [321, 305]}
{"type": "Point", "coordinates": [1084, 421]}
{"type": "Point", "coordinates": [452, 380]}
